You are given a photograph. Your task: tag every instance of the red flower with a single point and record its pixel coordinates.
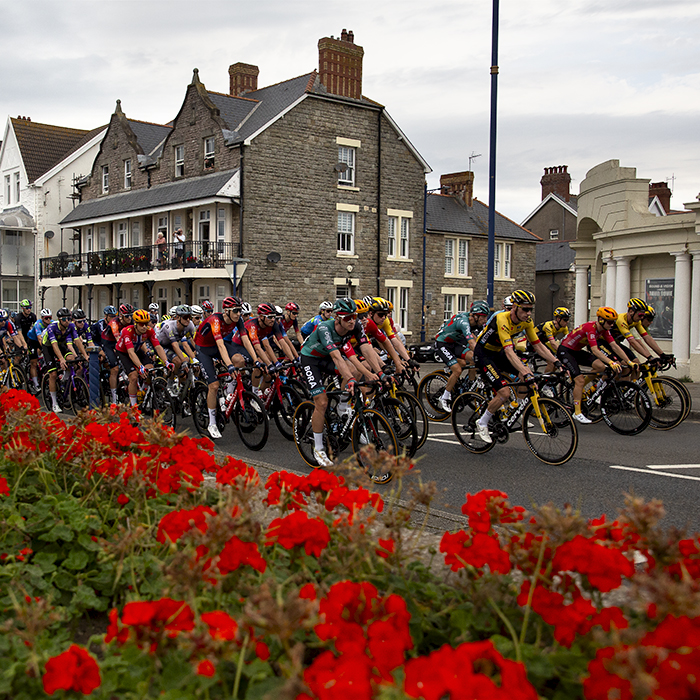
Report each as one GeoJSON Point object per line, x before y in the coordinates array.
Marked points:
{"type": "Point", "coordinates": [487, 507]}
{"type": "Point", "coordinates": [601, 684]}
{"type": "Point", "coordinates": [159, 616]}
{"type": "Point", "coordinates": [221, 625]}
{"type": "Point", "coordinates": [262, 651]}
{"type": "Point", "coordinates": [74, 669]}
{"type": "Point", "coordinates": [234, 469]}
{"type": "Point", "coordinates": [175, 524]}
{"type": "Point", "coordinates": [4, 488]}
{"type": "Point", "coordinates": [308, 592]}
{"type": "Point", "coordinates": [206, 668]}
{"type": "Point", "coordinates": [122, 499]}
{"type": "Point", "coordinates": [297, 529]}
{"type": "Point", "coordinates": [236, 553]}
{"type": "Point", "coordinates": [478, 551]}
{"type": "Point", "coordinates": [23, 553]}
{"type": "Point", "coordinates": [386, 547]}
{"type": "Point", "coordinates": [347, 677]}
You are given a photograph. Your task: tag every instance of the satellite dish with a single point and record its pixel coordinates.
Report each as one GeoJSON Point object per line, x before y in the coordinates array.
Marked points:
{"type": "Point", "coordinates": [554, 287]}
{"type": "Point", "coordinates": [63, 254]}
{"type": "Point", "coordinates": [273, 257]}
{"type": "Point", "coordinates": [49, 234]}
{"type": "Point", "coordinates": [340, 167]}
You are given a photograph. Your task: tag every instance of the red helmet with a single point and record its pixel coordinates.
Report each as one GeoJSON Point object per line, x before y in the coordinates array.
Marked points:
{"type": "Point", "coordinates": [228, 303]}
{"type": "Point", "coordinates": [292, 306]}
{"type": "Point", "coordinates": [265, 309]}
{"type": "Point", "coordinates": [126, 309]}
{"type": "Point", "coordinates": [207, 305]}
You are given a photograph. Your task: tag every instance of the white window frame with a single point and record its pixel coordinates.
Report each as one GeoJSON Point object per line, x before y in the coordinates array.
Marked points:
{"type": "Point", "coordinates": [122, 234]}
{"type": "Point", "coordinates": [462, 257]}
{"type": "Point", "coordinates": [348, 156]}
{"type": "Point", "coordinates": [342, 291]}
{"type": "Point", "coordinates": [135, 234]}
{"type": "Point", "coordinates": [462, 303]}
{"type": "Point", "coordinates": [503, 256]}
{"type": "Point", "coordinates": [209, 152]}
{"type": "Point", "coordinates": [8, 190]}
{"type": "Point", "coordinates": [392, 225]}
{"type": "Point", "coordinates": [18, 188]}
{"type": "Point", "coordinates": [457, 257]}
{"type": "Point", "coordinates": [102, 238]}
{"type": "Point", "coordinates": [399, 235]}
{"type": "Point", "coordinates": [127, 174]}
{"type": "Point", "coordinates": [346, 233]}
{"type": "Point", "coordinates": [180, 160]}
{"type": "Point", "coordinates": [163, 226]}
{"type": "Point", "coordinates": [448, 308]}
{"type": "Point", "coordinates": [105, 179]}
{"type": "Point", "coordinates": [88, 240]}
{"type": "Point", "coordinates": [398, 292]}
{"type": "Point", "coordinates": [404, 241]}
{"type": "Point", "coordinates": [449, 257]}
{"type": "Point", "coordinates": [553, 234]}
{"type": "Point", "coordinates": [221, 230]}
{"type": "Point", "coordinates": [404, 300]}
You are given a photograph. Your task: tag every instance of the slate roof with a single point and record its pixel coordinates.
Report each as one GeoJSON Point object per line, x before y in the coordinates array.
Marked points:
{"type": "Point", "coordinates": [573, 200]}
{"type": "Point", "coordinates": [44, 145]}
{"type": "Point", "coordinates": [554, 255]}
{"type": "Point", "coordinates": [168, 194]}
{"type": "Point", "coordinates": [149, 135]}
{"type": "Point", "coordinates": [446, 215]}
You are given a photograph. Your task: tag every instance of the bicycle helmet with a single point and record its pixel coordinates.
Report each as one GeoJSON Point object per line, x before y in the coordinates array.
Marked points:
{"type": "Point", "coordinates": [207, 305]}
{"type": "Point", "coordinates": [183, 310]}
{"type": "Point", "coordinates": [378, 304]}
{"type": "Point", "coordinates": [562, 312]}
{"type": "Point", "coordinates": [265, 309]}
{"type": "Point", "coordinates": [637, 304]}
{"type": "Point", "coordinates": [246, 308]}
{"type": "Point", "coordinates": [343, 307]}
{"type": "Point", "coordinates": [227, 303]}
{"type": "Point", "coordinates": [278, 310]}
{"type": "Point", "coordinates": [141, 316]}
{"type": "Point", "coordinates": [607, 313]}
{"type": "Point", "coordinates": [196, 310]}
{"type": "Point", "coordinates": [651, 312]}
{"type": "Point", "coordinates": [153, 307]}
{"type": "Point", "coordinates": [126, 309]}
{"type": "Point", "coordinates": [368, 299]}
{"type": "Point", "coordinates": [78, 315]}
{"type": "Point", "coordinates": [389, 305]}
{"type": "Point", "coordinates": [63, 312]}
{"type": "Point", "coordinates": [325, 306]}
{"type": "Point", "coordinates": [4, 316]}
{"type": "Point", "coordinates": [46, 313]}
{"type": "Point", "coordinates": [480, 307]}
{"type": "Point", "coordinates": [172, 310]}
{"type": "Point", "coordinates": [520, 297]}
{"type": "Point", "coordinates": [362, 306]}
{"type": "Point", "coordinates": [107, 311]}
{"type": "Point", "coordinates": [508, 302]}
{"type": "Point", "coordinates": [25, 304]}
{"type": "Point", "coordinates": [293, 307]}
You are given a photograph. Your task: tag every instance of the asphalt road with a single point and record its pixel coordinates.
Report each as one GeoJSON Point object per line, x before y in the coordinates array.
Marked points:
{"type": "Point", "coordinates": [655, 464]}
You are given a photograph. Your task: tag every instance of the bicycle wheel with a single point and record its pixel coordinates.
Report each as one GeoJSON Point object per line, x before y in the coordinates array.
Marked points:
{"type": "Point", "coordinates": [667, 405]}
{"type": "Point", "coordinates": [372, 428]}
{"type": "Point", "coordinates": [683, 389]}
{"type": "Point", "coordinates": [304, 434]}
{"type": "Point", "coordinates": [420, 417]}
{"type": "Point", "coordinates": [79, 395]}
{"type": "Point", "coordinates": [401, 420]}
{"type": "Point", "coordinates": [284, 411]}
{"type": "Point", "coordinates": [198, 405]}
{"type": "Point", "coordinates": [301, 388]}
{"type": "Point", "coordinates": [430, 390]}
{"type": "Point", "coordinates": [625, 408]}
{"type": "Point", "coordinates": [251, 421]}
{"type": "Point", "coordinates": [15, 378]}
{"type": "Point", "coordinates": [163, 404]}
{"type": "Point", "coordinates": [467, 408]}
{"type": "Point", "coordinates": [555, 438]}
{"type": "Point", "coordinates": [45, 393]}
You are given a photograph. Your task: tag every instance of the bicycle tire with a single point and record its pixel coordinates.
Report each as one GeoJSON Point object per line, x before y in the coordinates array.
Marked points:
{"type": "Point", "coordinates": [304, 434]}
{"type": "Point", "coordinates": [15, 378]}
{"type": "Point", "coordinates": [400, 418]}
{"type": "Point", "coordinates": [300, 388]}
{"type": "Point", "coordinates": [79, 395]}
{"type": "Point", "coordinates": [467, 408]}
{"type": "Point", "coordinates": [372, 428]}
{"type": "Point", "coordinates": [683, 389]}
{"type": "Point", "coordinates": [558, 426]}
{"type": "Point", "coordinates": [45, 393]}
{"type": "Point", "coordinates": [162, 402]}
{"type": "Point", "coordinates": [251, 421]}
{"type": "Point", "coordinates": [626, 408]}
{"type": "Point", "coordinates": [284, 412]}
{"type": "Point", "coordinates": [200, 411]}
{"type": "Point", "coordinates": [668, 404]}
{"type": "Point", "coordinates": [419, 415]}
{"type": "Point", "coordinates": [430, 389]}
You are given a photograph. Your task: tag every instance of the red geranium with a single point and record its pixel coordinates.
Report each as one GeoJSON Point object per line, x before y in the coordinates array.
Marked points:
{"type": "Point", "coordinates": [221, 625]}
{"type": "Point", "coordinates": [477, 550]}
{"type": "Point", "coordinates": [298, 529]}
{"type": "Point", "coordinates": [175, 524]}
{"type": "Point", "coordinates": [490, 507]}
{"type": "Point", "coordinates": [74, 669]}
{"type": "Point", "coordinates": [237, 553]}
{"type": "Point", "coordinates": [4, 488]}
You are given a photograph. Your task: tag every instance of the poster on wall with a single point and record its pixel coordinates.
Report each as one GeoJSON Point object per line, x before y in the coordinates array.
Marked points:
{"type": "Point", "coordinates": [660, 296]}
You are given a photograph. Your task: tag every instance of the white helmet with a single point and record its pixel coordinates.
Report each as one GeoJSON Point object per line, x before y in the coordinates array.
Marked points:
{"type": "Point", "coordinates": [172, 311]}
{"type": "Point", "coordinates": [278, 310]}
{"type": "Point", "coordinates": [325, 306]}
{"type": "Point", "coordinates": [246, 308]}
{"type": "Point", "coordinates": [508, 302]}
{"type": "Point", "coordinates": [45, 313]}
{"type": "Point", "coordinates": [197, 310]}
{"type": "Point", "coordinates": [153, 307]}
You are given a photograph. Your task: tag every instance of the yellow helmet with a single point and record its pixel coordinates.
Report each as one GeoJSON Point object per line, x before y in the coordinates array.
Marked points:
{"type": "Point", "coordinates": [141, 316]}
{"type": "Point", "coordinates": [362, 306]}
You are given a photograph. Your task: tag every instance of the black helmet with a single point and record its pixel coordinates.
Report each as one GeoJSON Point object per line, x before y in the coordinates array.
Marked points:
{"type": "Point", "coordinates": [63, 312]}
{"type": "Point", "coordinates": [520, 297]}
{"type": "Point", "coordinates": [78, 315]}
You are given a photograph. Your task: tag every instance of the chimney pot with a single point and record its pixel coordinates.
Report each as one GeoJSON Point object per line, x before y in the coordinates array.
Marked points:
{"type": "Point", "coordinates": [556, 180]}
{"type": "Point", "coordinates": [663, 192]}
{"type": "Point", "coordinates": [344, 35]}
{"type": "Point", "coordinates": [340, 65]}
{"type": "Point", "coordinates": [459, 185]}
{"type": "Point", "coordinates": [243, 77]}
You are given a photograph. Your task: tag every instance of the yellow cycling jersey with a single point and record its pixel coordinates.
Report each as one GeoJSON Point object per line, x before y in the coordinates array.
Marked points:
{"type": "Point", "coordinates": [499, 332]}
{"type": "Point", "coordinates": [547, 331]}
{"type": "Point", "coordinates": [623, 328]}
{"type": "Point", "coordinates": [388, 328]}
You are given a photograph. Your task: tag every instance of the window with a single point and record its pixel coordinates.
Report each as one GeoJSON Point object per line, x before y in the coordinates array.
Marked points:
{"type": "Point", "coordinates": [179, 161]}
{"type": "Point", "coordinates": [346, 156]}
{"type": "Point", "coordinates": [209, 146]}
{"type": "Point", "coordinates": [88, 240]}
{"type": "Point", "coordinates": [122, 235]}
{"type": "Point", "coordinates": [203, 293]}
{"type": "Point", "coordinates": [136, 234]}
{"type": "Point", "coordinates": [204, 230]}
{"type": "Point", "coordinates": [449, 307]}
{"type": "Point", "coordinates": [462, 255]}
{"type": "Point", "coordinates": [343, 292]}
{"type": "Point", "coordinates": [456, 257]}
{"type": "Point", "coordinates": [403, 308]}
{"type": "Point", "coordinates": [127, 174]}
{"type": "Point", "coordinates": [105, 179]}
{"type": "Point", "coordinates": [221, 230]}
{"type": "Point", "coordinates": [391, 248]}
{"type": "Point", "coordinates": [136, 298]}
{"type": "Point", "coordinates": [163, 225]}
{"type": "Point", "coordinates": [462, 303]}
{"type": "Point", "coordinates": [502, 260]}
{"type": "Point", "coordinates": [403, 249]}
{"type": "Point", "coordinates": [17, 188]}
{"type": "Point", "coordinates": [346, 232]}
{"type": "Point", "coordinates": [449, 256]}
{"type": "Point", "coordinates": [391, 295]}
{"type": "Point", "coordinates": [163, 300]}
{"type": "Point", "coordinates": [102, 238]}
{"type": "Point", "coordinates": [8, 190]}
{"type": "Point", "coordinates": [554, 234]}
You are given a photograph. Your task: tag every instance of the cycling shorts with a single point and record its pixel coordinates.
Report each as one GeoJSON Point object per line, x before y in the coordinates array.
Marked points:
{"type": "Point", "coordinates": [206, 356]}
{"type": "Point", "coordinates": [573, 359]}
{"type": "Point", "coordinates": [126, 363]}
{"type": "Point", "coordinates": [110, 353]}
{"type": "Point", "coordinates": [50, 358]}
{"type": "Point", "coordinates": [495, 366]}
{"type": "Point", "coordinates": [34, 349]}
{"type": "Point", "coordinates": [450, 352]}
{"type": "Point", "coordinates": [314, 370]}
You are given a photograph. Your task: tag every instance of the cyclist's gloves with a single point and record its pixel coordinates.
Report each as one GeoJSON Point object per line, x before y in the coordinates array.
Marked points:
{"type": "Point", "coordinates": [142, 370]}
{"type": "Point", "coordinates": [350, 386]}
{"type": "Point", "coordinates": [170, 366]}
{"type": "Point", "coordinates": [231, 369]}
{"type": "Point", "coordinates": [279, 364]}
{"type": "Point", "coordinates": [614, 367]}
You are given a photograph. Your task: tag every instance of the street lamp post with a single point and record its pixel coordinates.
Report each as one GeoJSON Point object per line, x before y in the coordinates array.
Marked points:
{"type": "Point", "coordinates": [492, 156]}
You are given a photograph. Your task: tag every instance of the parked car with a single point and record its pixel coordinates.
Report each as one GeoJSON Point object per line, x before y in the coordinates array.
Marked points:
{"type": "Point", "coordinates": [422, 352]}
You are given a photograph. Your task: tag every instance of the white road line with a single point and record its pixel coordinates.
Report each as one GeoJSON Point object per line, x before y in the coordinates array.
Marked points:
{"type": "Point", "coordinates": [447, 442]}
{"type": "Point", "coordinates": [673, 466]}
{"type": "Point", "coordinates": [656, 473]}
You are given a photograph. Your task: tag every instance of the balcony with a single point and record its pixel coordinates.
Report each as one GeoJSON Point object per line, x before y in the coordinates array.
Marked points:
{"type": "Point", "coordinates": [203, 255]}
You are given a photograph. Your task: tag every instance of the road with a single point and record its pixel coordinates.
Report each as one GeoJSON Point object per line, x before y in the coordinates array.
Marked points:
{"type": "Point", "coordinates": [655, 464]}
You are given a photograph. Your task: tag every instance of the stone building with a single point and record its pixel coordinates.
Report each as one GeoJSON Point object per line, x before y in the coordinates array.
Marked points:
{"type": "Point", "coordinates": [303, 190]}
{"type": "Point", "coordinates": [457, 252]}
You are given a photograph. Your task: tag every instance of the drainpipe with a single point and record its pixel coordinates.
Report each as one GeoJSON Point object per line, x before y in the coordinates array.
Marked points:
{"type": "Point", "coordinates": [240, 209]}
{"type": "Point", "coordinates": [379, 200]}
{"type": "Point", "coordinates": [425, 223]}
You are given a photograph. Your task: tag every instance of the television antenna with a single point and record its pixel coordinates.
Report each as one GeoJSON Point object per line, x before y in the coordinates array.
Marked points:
{"type": "Point", "coordinates": [673, 181]}
{"type": "Point", "coordinates": [473, 156]}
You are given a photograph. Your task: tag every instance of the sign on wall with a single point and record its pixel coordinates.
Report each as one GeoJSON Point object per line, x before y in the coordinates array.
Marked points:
{"type": "Point", "coordinates": [660, 296]}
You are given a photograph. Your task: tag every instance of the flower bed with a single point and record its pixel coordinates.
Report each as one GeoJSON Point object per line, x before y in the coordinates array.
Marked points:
{"type": "Point", "coordinates": [314, 586]}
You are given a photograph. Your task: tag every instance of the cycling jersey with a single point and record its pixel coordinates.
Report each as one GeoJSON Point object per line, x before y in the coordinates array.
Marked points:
{"type": "Point", "coordinates": [325, 339]}
{"type": "Point", "coordinates": [622, 330]}
{"type": "Point", "coordinates": [456, 330]}
{"type": "Point", "coordinates": [498, 333]}
{"type": "Point", "coordinates": [586, 335]}
{"type": "Point", "coordinates": [85, 334]}
{"type": "Point", "coordinates": [310, 326]}
{"type": "Point", "coordinates": [37, 330]}
{"type": "Point", "coordinates": [256, 331]}
{"type": "Point", "coordinates": [388, 327]}
{"type": "Point", "coordinates": [169, 332]}
{"type": "Point", "coordinates": [55, 334]}
{"type": "Point", "coordinates": [214, 328]}
{"type": "Point", "coordinates": [110, 331]}
{"type": "Point", "coordinates": [547, 331]}
{"type": "Point", "coordinates": [130, 339]}
{"type": "Point", "coordinates": [288, 323]}
{"type": "Point", "coordinates": [371, 331]}
{"type": "Point", "coordinates": [25, 322]}
{"type": "Point", "coordinates": [8, 330]}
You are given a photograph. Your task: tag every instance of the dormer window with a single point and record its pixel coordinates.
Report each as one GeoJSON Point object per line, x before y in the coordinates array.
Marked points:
{"type": "Point", "coordinates": [179, 161]}
{"type": "Point", "coordinates": [209, 146]}
{"type": "Point", "coordinates": [127, 174]}
{"type": "Point", "coordinates": [105, 179]}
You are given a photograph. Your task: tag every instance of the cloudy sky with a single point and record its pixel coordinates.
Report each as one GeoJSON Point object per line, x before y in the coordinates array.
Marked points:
{"type": "Point", "coordinates": [581, 81]}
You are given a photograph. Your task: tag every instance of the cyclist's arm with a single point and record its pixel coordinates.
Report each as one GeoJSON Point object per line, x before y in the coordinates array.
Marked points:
{"type": "Point", "coordinates": [265, 349]}
{"type": "Point", "coordinates": [81, 347]}
{"type": "Point", "coordinates": [521, 368]}
{"type": "Point", "coordinates": [178, 350]}
{"type": "Point", "coordinates": [341, 365]}
{"type": "Point", "coordinates": [370, 354]}
{"type": "Point", "coordinates": [650, 342]}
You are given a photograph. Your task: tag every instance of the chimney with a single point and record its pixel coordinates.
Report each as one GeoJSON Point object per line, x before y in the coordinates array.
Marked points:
{"type": "Point", "coordinates": [340, 65]}
{"type": "Point", "coordinates": [242, 78]}
{"type": "Point", "coordinates": [459, 185]}
{"type": "Point", "coordinates": [663, 192]}
{"type": "Point", "coordinates": [556, 180]}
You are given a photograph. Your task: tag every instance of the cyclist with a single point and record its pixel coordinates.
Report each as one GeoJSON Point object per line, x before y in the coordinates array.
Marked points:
{"type": "Point", "coordinates": [33, 342]}
{"type": "Point", "coordinates": [321, 355]}
{"type": "Point", "coordinates": [197, 313]}
{"type": "Point", "coordinates": [376, 336]}
{"type": "Point", "coordinates": [549, 331]}
{"type": "Point", "coordinates": [454, 345]}
{"type": "Point", "coordinates": [246, 311]}
{"type": "Point", "coordinates": [82, 328]}
{"type": "Point", "coordinates": [479, 311]}
{"type": "Point", "coordinates": [7, 331]}
{"type": "Point", "coordinates": [622, 331]}
{"type": "Point", "coordinates": [209, 340]}
{"type": "Point", "coordinates": [174, 334]}
{"type": "Point", "coordinates": [131, 352]}
{"type": "Point", "coordinates": [325, 309]}
{"type": "Point", "coordinates": [380, 313]}
{"type": "Point", "coordinates": [572, 352]}
{"type": "Point", "coordinates": [495, 353]}
{"type": "Point", "coordinates": [58, 341]}
{"type": "Point", "coordinates": [154, 311]}
{"type": "Point", "coordinates": [290, 323]}
{"type": "Point", "coordinates": [25, 319]}
{"type": "Point", "coordinates": [208, 309]}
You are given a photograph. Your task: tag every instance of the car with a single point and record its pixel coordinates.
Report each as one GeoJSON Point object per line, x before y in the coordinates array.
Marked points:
{"type": "Point", "coordinates": [422, 352]}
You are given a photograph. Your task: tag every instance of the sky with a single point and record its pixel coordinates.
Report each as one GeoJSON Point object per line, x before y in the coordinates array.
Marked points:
{"type": "Point", "coordinates": [580, 81]}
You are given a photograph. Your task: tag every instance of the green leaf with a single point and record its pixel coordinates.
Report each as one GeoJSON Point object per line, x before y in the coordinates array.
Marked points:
{"type": "Point", "coordinates": [65, 581]}
{"type": "Point", "coordinates": [45, 561]}
{"type": "Point", "coordinates": [459, 620]}
{"type": "Point", "coordinates": [174, 674]}
{"type": "Point", "coordinates": [86, 542]}
{"type": "Point", "coordinates": [85, 598]}
{"type": "Point", "coordinates": [61, 531]}
{"type": "Point", "coordinates": [77, 560]}
{"type": "Point", "coordinates": [268, 688]}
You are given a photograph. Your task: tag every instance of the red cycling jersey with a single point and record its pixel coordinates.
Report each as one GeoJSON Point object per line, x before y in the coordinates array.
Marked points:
{"type": "Point", "coordinates": [110, 331]}
{"type": "Point", "coordinates": [214, 328]}
{"type": "Point", "coordinates": [256, 332]}
{"type": "Point", "coordinates": [129, 338]}
{"type": "Point", "coordinates": [371, 331]}
{"type": "Point", "coordinates": [587, 334]}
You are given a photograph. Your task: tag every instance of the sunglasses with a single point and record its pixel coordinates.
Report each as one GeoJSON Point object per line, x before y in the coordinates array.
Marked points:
{"type": "Point", "coordinates": [349, 317]}
{"type": "Point", "coordinates": [185, 318]}
{"type": "Point", "coordinates": [610, 321]}
{"type": "Point", "coordinates": [527, 309]}
{"type": "Point", "coordinates": [381, 314]}
{"type": "Point", "coordinates": [269, 316]}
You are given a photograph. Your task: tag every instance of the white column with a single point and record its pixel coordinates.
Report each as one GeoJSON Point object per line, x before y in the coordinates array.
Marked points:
{"type": "Point", "coordinates": [581, 305]}
{"type": "Point", "coordinates": [622, 284]}
{"type": "Point", "coordinates": [695, 304]}
{"type": "Point", "coordinates": [610, 282]}
{"type": "Point", "coordinates": [681, 308]}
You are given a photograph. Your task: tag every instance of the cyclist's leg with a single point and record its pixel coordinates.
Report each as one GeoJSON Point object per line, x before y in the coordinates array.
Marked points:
{"type": "Point", "coordinates": [313, 369]}
{"type": "Point", "coordinates": [489, 363]}
{"type": "Point", "coordinates": [454, 365]}
{"type": "Point", "coordinates": [131, 372]}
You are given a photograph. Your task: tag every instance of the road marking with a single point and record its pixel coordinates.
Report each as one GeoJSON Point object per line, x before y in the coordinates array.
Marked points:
{"type": "Point", "coordinates": [657, 473]}
{"type": "Point", "coordinates": [447, 442]}
{"type": "Point", "coordinates": [673, 466]}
